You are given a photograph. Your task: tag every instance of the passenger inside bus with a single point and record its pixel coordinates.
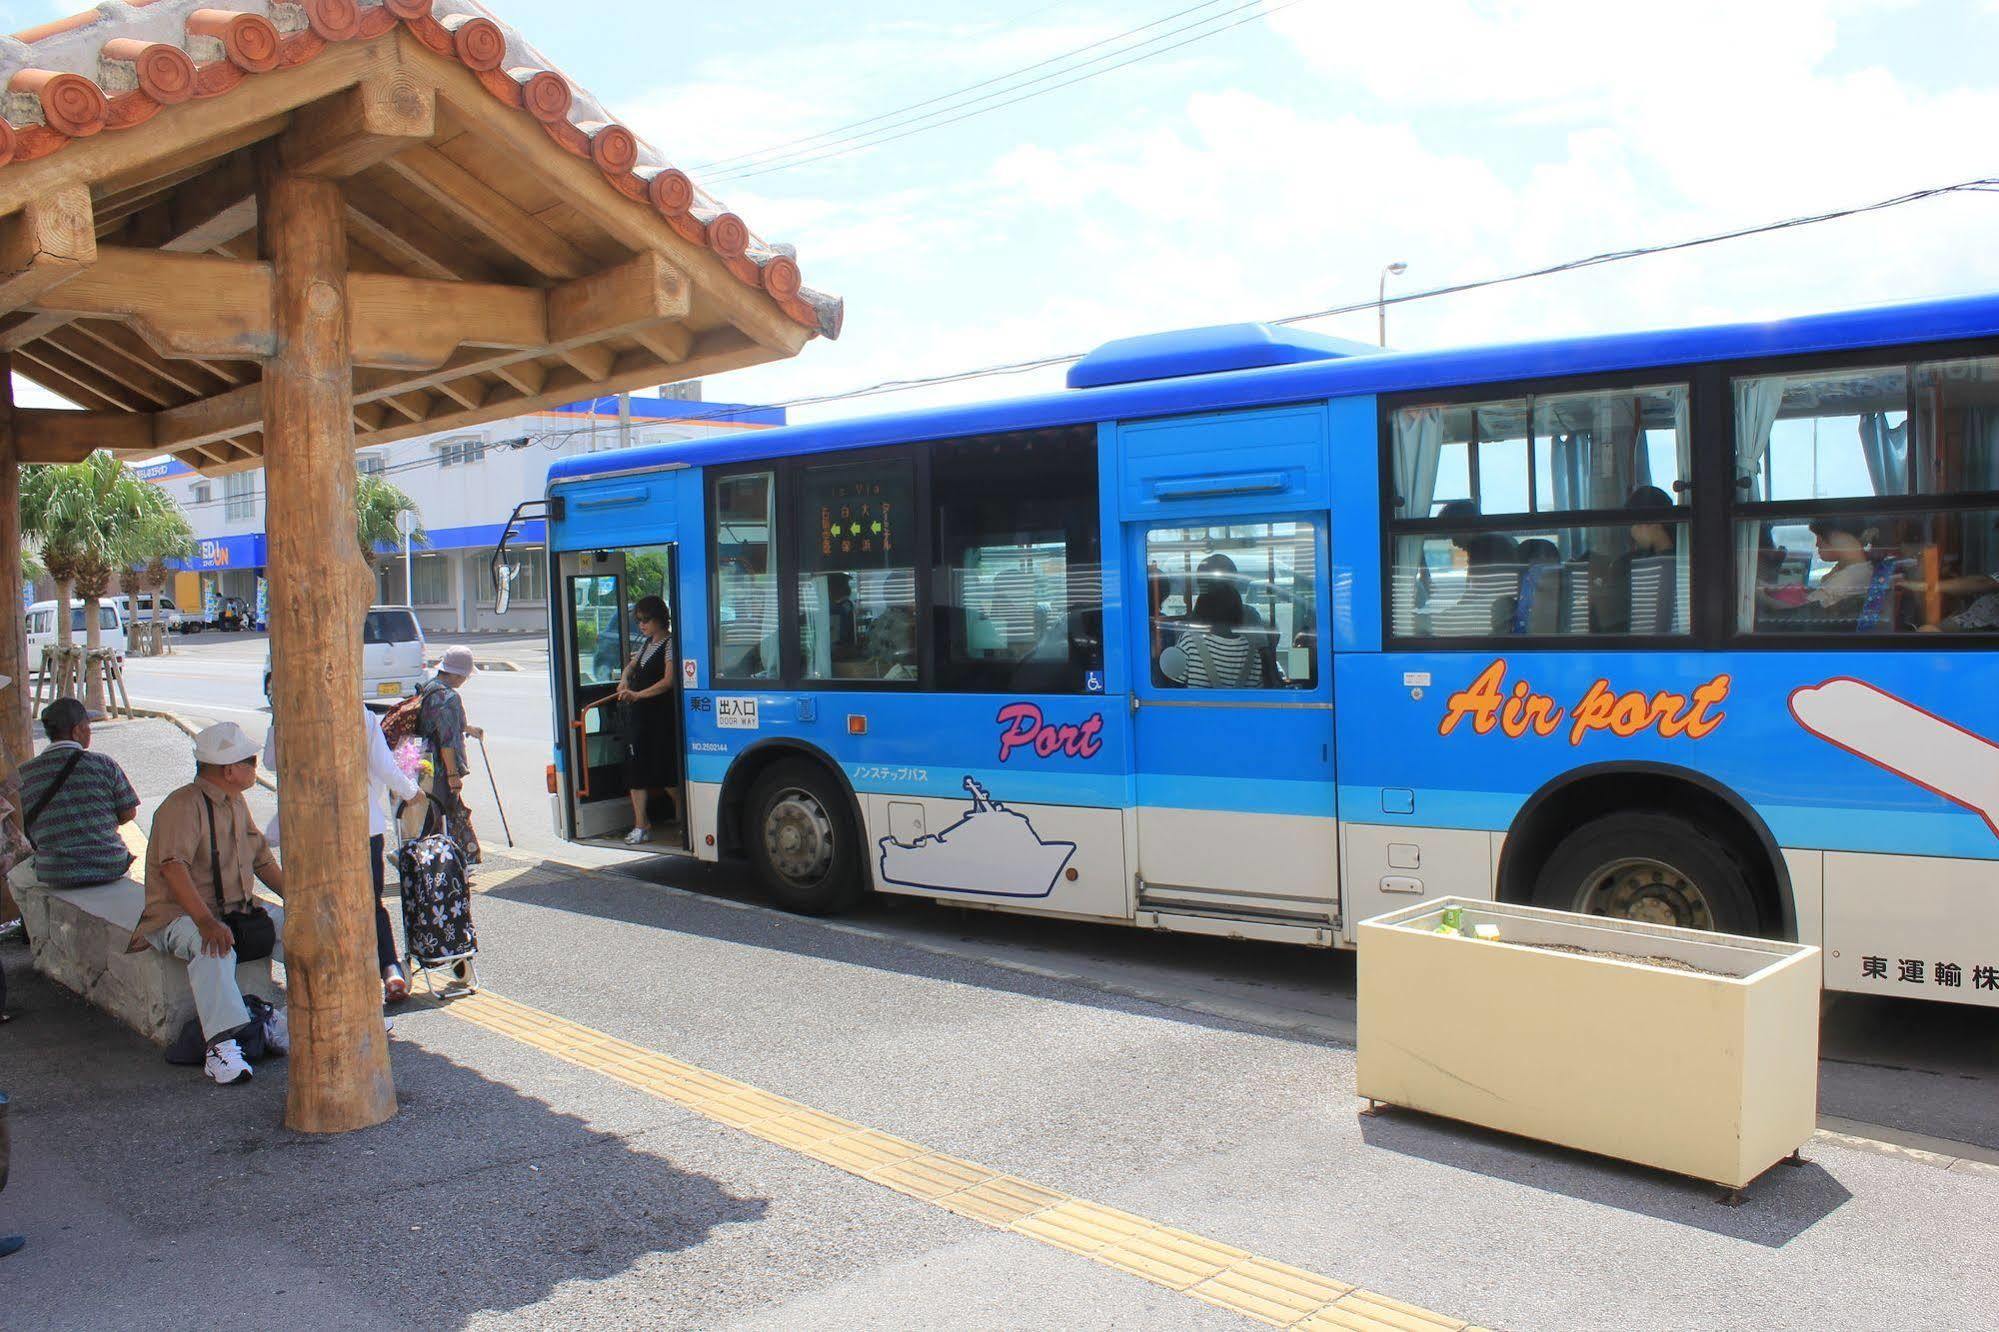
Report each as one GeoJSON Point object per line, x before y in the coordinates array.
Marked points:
{"type": "Point", "coordinates": [1639, 598]}
{"type": "Point", "coordinates": [1215, 652]}
{"type": "Point", "coordinates": [840, 616]}
{"type": "Point", "coordinates": [1539, 608]}
{"type": "Point", "coordinates": [1220, 571]}
{"type": "Point", "coordinates": [1861, 591]}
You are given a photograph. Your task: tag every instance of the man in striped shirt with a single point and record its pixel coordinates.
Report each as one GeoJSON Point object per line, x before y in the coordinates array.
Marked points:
{"type": "Point", "coordinates": [72, 802]}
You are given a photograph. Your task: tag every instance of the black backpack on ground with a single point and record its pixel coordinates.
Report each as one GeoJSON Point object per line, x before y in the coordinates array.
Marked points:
{"type": "Point", "coordinates": [188, 1047]}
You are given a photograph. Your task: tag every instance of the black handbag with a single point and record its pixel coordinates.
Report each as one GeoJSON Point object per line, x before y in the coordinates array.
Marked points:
{"type": "Point", "coordinates": [255, 933]}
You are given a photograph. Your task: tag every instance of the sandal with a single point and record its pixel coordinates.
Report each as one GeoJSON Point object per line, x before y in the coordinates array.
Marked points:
{"type": "Point", "coordinates": [395, 986]}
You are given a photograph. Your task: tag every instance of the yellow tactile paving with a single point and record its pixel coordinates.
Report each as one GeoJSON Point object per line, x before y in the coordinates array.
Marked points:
{"type": "Point", "coordinates": [1365, 1311]}
{"type": "Point", "coordinates": [1082, 1227]}
{"type": "Point", "coordinates": [1000, 1201]}
{"type": "Point", "coordinates": [1173, 1258]}
{"type": "Point", "coordinates": [1209, 1270]}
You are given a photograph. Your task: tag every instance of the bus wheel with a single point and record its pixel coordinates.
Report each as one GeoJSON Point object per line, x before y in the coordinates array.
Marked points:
{"type": "Point", "coordinates": [1656, 868]}
{"type": "Point", "coordinates": [801, 840]}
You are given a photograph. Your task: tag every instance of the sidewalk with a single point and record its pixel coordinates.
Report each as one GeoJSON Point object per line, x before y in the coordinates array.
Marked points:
{"type": "Point", "coordinates": [554, 1164]}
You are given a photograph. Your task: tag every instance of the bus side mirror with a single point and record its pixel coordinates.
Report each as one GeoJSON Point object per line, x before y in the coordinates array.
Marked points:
{"type": "Point", "coordinates": [503, 586]}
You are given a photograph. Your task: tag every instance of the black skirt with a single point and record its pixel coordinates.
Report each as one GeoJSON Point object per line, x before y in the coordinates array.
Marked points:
{"type": "Point", "coordinates": [647, 728]}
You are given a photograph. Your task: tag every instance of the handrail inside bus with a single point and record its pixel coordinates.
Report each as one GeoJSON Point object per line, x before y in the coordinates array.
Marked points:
{"type": "Point", "coordinates": [582, 746]}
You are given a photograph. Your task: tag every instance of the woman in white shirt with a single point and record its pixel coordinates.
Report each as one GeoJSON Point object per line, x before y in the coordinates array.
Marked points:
{"type": "Point", "coordinates": [384, 779]}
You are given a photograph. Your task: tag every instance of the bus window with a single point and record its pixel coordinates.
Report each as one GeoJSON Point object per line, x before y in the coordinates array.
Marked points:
{"type": "Point", "coordinates": [1020, 587]}
{"type": "Point", "coordinates": [1560, 513]}
{"type": "Point", "coordinates": [857, 575]}
{"type": "Point", "coordinates": [1900, 455]}
{"type": "Point", "coordinates": [593, 600]}
{"type": "Point", "coordinates": [1625, 579]}
{"type": "Point", "coordinates": [1232, 607]}
{"type": "Point", "coordinates": [745, 590]}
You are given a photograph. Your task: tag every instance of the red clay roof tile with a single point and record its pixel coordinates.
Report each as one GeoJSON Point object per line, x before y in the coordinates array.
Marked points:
{"type": "Point", "coordinates": [119, 64]}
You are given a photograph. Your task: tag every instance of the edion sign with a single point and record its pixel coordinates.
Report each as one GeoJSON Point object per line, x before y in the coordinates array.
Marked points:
{"type": "Point", "coordinates": [1023, 727]}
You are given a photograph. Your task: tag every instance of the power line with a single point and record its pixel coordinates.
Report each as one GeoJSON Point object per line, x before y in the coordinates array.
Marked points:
{"type": "Point", "coordinates": [1981, 185]}
{"type": "Point", "coordinates": [1134, 54]}
{"type": "Point", "coordinates": [551, 439]}
{"type": "Point", "coordinates": [949, 96]}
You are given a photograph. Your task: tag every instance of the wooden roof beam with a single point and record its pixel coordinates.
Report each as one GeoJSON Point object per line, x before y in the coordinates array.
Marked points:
{"type": "Point", "coordinates": [417, 323]}
{"type": "Point", "coordinates": [495, 216]}
{"type": "Point", "coordinates": [100, 387]}
{"type": "Point", "coordinates": [713, 353]}
{"type": "Point", "coordinates": [49, 242]}
{"type": "Point", "coordinates": [49, 435]}
{"type": "Point", "coordinates": [524, 377]}
{"type": "Point", "coordinates": [465, 392]}
{"type": "Point", "coordinates": [185, 305]}
{"type": "Point", "coordinates": [362, 127]}
{"type": "Point", "coordinates": [212, 209]}
{"type": "Point", "coordinates": [203, 128]}
{"type": "Point", "coordinates": [401, 236]}
{"type": "Point", "coordinates": [136, 375]}
{"type": "Point", "coordinates": [204, 307]}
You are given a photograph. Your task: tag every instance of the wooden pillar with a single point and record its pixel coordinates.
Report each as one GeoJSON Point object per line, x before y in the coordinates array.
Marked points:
{"type": "Point", "coordinates": [339, 1057]}
{"type": "Point", "coordinates": [15, 737]}
{"type": "Point", "coordinates": [14, 730]}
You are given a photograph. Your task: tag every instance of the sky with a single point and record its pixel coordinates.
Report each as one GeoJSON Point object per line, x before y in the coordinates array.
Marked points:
{"type": "Point", "coordinates": [1277, 167]}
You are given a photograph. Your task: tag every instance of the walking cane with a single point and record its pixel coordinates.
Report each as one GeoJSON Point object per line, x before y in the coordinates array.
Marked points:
{"type": "Point", "coordinates": [494, 783]}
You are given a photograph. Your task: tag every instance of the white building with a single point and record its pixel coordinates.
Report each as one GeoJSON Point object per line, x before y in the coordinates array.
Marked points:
{"type": "Point", "coordinates": [465, 483]}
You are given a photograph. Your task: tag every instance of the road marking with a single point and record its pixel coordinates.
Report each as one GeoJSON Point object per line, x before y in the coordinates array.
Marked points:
{"type": "Point", "coordinates": [1206, 1269]}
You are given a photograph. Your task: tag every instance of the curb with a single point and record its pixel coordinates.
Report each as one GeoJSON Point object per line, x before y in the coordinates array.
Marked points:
{"type": "Point", "coordinates": [189, 731]}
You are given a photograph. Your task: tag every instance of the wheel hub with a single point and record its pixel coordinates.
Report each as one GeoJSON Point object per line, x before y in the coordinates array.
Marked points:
{"type": "Point", "coordinates": [1643, 889]}
{"type": "Point", "coordinates": [798, 836]}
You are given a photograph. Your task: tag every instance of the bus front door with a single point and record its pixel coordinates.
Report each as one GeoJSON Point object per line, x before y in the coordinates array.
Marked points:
{"type": "Point", "coordinates": [1233, 729]}
{"type": "Point", "coordinates": [601, 636]}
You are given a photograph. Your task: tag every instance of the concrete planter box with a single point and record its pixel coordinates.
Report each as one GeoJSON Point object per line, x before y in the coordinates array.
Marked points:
{"type": "Point", "coordinates": [1709, 1075]}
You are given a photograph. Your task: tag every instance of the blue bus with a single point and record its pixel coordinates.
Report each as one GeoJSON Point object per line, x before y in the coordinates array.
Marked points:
{"type": "Point", "coordinates": [1252, 632]}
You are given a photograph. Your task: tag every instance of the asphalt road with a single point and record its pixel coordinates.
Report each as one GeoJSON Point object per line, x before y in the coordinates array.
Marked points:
{"type": "Point", "coordinates": [1917, 1074]}
{"type": "Point", "coordinates": [1200, 1084]}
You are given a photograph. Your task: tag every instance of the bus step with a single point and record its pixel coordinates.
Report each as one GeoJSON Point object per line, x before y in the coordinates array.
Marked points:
{"type": "Point", "coordinates": [1321, 933]}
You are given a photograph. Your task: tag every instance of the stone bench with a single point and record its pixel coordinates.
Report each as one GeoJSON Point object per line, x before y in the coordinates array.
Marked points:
{"type": "Point", "coordinates": [78, 938]}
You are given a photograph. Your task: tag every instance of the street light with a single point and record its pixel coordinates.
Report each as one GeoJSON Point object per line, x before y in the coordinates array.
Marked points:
{"type": "Point", "coordinates": [1398, 268]}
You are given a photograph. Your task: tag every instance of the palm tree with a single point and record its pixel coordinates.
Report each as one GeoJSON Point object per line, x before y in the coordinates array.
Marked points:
{"type": "Point", "coordinates": [155, 538]}
{"type": "Point", "coordinates": [55, 516]}
{"type": "Point", "coordinates": [92, 519]}
{"type": "Point", "coordinates": [376, 504]}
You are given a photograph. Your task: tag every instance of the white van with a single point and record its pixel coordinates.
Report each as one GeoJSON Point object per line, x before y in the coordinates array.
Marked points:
{"type": "Point", "coordinates": [392, 655]}
{"type": "Point", "coordinates": [42, 628]}
{"type": "Point", "coordinates": [149, 606]}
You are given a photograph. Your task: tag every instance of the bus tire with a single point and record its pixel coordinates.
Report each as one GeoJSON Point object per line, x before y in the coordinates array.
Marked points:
{"type": "Point", "coordinates": [801, 839]}
{"type": "Point", "coordinates": [1649, 866]}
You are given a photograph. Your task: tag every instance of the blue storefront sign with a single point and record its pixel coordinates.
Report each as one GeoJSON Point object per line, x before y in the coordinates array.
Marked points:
{"type": "Point", "coordinates": [230, 552]}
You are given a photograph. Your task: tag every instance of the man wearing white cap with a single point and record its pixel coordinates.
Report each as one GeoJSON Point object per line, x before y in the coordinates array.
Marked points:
{"type": "Point", "coordinates": [204, 852]}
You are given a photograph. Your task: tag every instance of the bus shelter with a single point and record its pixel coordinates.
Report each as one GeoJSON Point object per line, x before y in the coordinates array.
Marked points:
{"type": "Point", "coordinates": [266, 235]}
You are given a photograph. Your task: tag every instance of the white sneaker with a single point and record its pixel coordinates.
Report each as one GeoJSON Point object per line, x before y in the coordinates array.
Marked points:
{"type": "Point", "coordinates": [277, 1031]}
{"type": "Point", "coordinates": [225, 1063]}
{"type": "Point", "coordinates": [637, 836]}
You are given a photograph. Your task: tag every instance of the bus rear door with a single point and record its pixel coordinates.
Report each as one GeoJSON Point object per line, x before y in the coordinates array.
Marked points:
{"type": "Point", "coordinates": [1226, 530]}
{"type": "Point", "coordinates": [599, 589]}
